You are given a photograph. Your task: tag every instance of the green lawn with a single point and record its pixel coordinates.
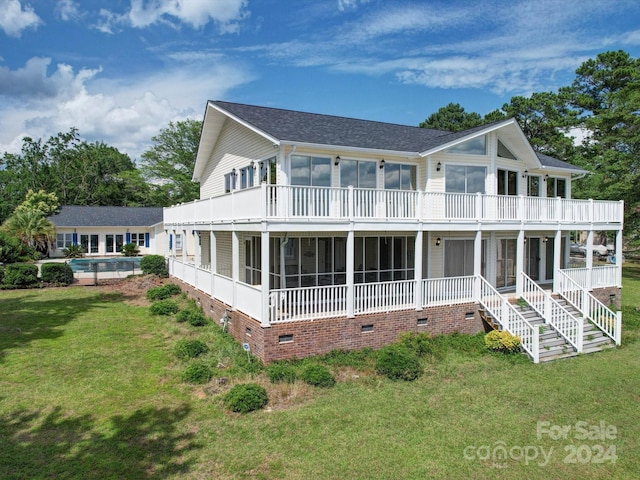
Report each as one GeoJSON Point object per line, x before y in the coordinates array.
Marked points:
{"type": "Point", "coordinates": [90, 388]}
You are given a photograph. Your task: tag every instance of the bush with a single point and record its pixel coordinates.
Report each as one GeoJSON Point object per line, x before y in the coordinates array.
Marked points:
{"type": "Point", "coordinates": [186, 349]}
{"type": "Point", "coordinates": [162, 292]}
{"type": "Point", "coordinates": [13, 250]}
{"type": "Point", "coordinates": [164, 307]}
{"type": "Point", "coordinates": [1, 274]}
{"type": "Point", "coordinates": [73, 251]}
{"type": "Point", "coordinates": [130, 250]}
{"type": "Point", "coordinates": [58, 273]}
{"type": "Point", "coordinates": [281, 373]}
{"type": "Point", "coordinates": [245, 398]}
{"type": "Point", "coordinates": [419, 343]}
{"type": "Point", "coordinates": [20, 275]}
{"type": "Point", "coordinates": [398, 362]}
{"type": "Point", "coordinates": [197, 372]}
{"type": "Point", "coordinates": [502, 341]}
{"type": "Point", "coordinates": [318, 376]}
{"type": "Point", "coordinates": [154, 265]}
{"type": "Point", "coordinates": [195, 317]}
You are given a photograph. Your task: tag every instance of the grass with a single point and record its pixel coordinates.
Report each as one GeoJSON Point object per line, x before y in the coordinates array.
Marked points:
{"type": "Point", "coordinates": [90, 388]}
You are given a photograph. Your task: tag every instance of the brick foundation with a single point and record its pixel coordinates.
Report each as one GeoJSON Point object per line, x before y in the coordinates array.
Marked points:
{"type": "Point", "coordinates": [323, 335]}
{"type": "Point", "coordinates": [604, 295]}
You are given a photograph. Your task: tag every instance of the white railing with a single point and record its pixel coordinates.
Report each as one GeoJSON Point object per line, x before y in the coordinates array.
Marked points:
{"type": "Point", "coordinates": [308, 303]}
{"type": "Point", "coordinates": [596, 277]}
{"type": "Point", "coordinates": [447, 291]}
{"type": "Point", "coordinates": [384, 296]}
{"type": "Point", "coordinates": [286, 201]}
{"type": "Point", "coordinates": [570, 327]}
{"type": "Point", "coordinates": [509, 318]}
{"type": "Point", "coordinates": [606, 320]}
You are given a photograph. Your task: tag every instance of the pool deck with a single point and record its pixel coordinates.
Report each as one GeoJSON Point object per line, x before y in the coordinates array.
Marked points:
{"type": "Point", "coordinates": [89, 278]}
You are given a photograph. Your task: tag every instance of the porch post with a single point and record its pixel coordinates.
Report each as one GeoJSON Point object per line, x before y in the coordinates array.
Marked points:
{"type": "Point", "coordinates": [589, 258]}
{"type": "Point", "coordinates": [214, 261]}
{"type": "Point", "coordinates": [557, 257]}
{"type": "Point", "coordinates": [264, 274]}
{"type": "Point", "coordinates": [235, 263]}
{"type": "Point", "coordinates": [350, 274]}
{"type": "Point", "coordinates": [619, 258]}
{"type": "Point", "coordinates": [198, 250]}
{"type": "Point", "coordinates": [417, 269]}
{"type": "Point", "coordinates": [477, 261]}
{"type": "Point", "coordinates": [520, 262]}
{"type": "Point", "coordinates": [184, 246]}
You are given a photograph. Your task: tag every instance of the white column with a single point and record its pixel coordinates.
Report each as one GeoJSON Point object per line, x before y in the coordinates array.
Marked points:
{"type": "Point", "coordinates": [235, 263]}
{"type": "Point", "coordinates": [619, 256]}
{"type": "Point", "coordinates": [520, 262]}
{"type": "Point", "coordinates": [589, 258]}
{"type": "Point", "coordinates": [214, 261]}
{"type": "Point", "coordinates": [477, 261]}
{"type": "Point", "coordinates": [183, 233]}
{"type": "Point", "coordinates": [557, 257]}
{"type": "Point", "coordinates": [198, 250]}
{"type": "Point", "coordinates": [350, 274]}
{"type": "Point", "coordinates": [417, 269]}
{"type": "Point", "coordinates": [264, 273]}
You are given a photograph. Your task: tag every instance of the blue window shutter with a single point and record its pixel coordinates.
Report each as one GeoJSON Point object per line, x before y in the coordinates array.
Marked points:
{"type": "Point", "coordinates": [146, 240]}
{"type": "Point", "coordinates": [171, 241]}
{"type": "Point", "coordinates": [128, 238]}
{"type": "Point", "coordinates": [74, 239]}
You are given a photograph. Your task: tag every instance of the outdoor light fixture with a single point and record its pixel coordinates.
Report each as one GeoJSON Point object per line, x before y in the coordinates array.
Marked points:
{"type": "Point", "coordinates": [546, 177]}
{"type": "Point", "coordinates": [525, 173]}
{"type": "Point", "coordinates": [382, 163]}
{"type": "Point", "coordinates": [233, 172]}
{"type": "Point", "coordinates": [438, 241]}
{"type": "Point", "coordinates": [545, 239]}
{"type": "Point", "coordinates": [438, 167]}
{"type": "Point", "coordinates": [337, 160]}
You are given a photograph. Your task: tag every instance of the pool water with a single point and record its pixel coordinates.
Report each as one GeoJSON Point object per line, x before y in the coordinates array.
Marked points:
{"type": "Point", "coordinates": [115, 264]}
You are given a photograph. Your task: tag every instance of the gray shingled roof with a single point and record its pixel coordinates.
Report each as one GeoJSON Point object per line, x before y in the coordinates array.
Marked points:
{"type": "Point", "coordinates": [314, 128]}
{"type": "Point", "coordinates": [81, 216]}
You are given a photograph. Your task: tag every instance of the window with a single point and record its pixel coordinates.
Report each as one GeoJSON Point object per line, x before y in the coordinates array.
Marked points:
{"type": "Point", "coordinates": [178, 241]}
{"type": "Point", "coordinates": [230, 181]}
{"type": "Point", "coordinates": [268, 171]}
{"type": "Point", "coordinates": [475, 146]}
{"type": "Point", "coordinates": [459, 258]}
{"type": "Point", "coordinates": [312, 171]}
{"type": "Point", "coordinates": [315, 261]}
{"type": "Point", "coordinates": [504, 152]}
{"type": "Point", "coordinates": [533, 185]}
{"type": "Point", "coordinates": [556, 187]}
{"type": "Point", "coordinates": [465, 179]}
{"type": "Point", "coordinates": [399, 176]}
{"type": "Point", "coordinates": [252, 261]}
{"type": "Point", "coordinates": [382, 259]}
{"type": "Point", "coordinates": [507, 182]}
{"type": "Point", "coordinates": [138, 239]}
{"type": "Point", "coordinates": [358, 173]}
{"type": "Point", "coordinates": [114, 243]}
{"type": "Point", "coordinates": [246, 177]}
{"type": "Point", "coordinates": [64, 240]}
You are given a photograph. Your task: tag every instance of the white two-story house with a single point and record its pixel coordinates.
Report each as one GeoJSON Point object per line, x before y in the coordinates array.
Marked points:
{"type": "Point", "coordinates": [317, 232]}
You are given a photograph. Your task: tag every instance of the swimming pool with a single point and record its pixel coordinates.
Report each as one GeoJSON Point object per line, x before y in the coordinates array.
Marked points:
{"type": "Point", "coordinates": [114, 264]}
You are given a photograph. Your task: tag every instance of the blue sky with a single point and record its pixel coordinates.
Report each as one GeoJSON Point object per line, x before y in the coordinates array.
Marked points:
{"type": "Point", "coordinates": [121, 70]}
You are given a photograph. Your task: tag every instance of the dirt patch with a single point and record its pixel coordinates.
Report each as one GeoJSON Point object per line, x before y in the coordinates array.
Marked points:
{"type": "Point", "coordinates": [133, 289]}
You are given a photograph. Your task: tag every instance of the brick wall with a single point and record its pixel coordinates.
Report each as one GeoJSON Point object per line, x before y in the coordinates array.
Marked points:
{"type": "Point", "coordinates": [604, 295]}
{"type": "Point", "coordinates": [323, 335]}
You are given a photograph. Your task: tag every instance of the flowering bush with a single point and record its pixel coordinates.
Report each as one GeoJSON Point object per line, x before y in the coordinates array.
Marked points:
{"type": "Point", "coordinates": [502, 341]}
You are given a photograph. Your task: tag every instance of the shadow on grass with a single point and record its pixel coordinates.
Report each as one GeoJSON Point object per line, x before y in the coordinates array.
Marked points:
{"type": "Point", "coordinates": [29, 317]}
{"type": "Point", "coordinates": [145, 444]}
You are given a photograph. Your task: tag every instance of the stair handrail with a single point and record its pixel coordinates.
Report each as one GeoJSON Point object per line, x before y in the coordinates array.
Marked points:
{"type": "Point", "coordinates": [553, 313]}
{"type": "Point", "coordinates": [509, 318]}
{"type": "Point", "coordinates": [603, 317]}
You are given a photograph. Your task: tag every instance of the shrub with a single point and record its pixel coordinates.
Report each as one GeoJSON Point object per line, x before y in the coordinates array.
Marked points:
{"type": "Point", "coordinates": [502, 341]}
{"type": "Point", "coordinates": [195, 317]}
{"type": "Point", "coordinates": [186, 349]}
{"type": "Point", "coordinates": [164, 307]}
{"type": "Point", "coordinates": [130, 250]}
{"type": "Point", "coordinates": [398, 362]}
{"type": "Point", "coordinates": [162, 292]}
{"type": "Point", "coordinates": [154, 265]}
{"type": "Point", "coordinates": [58, 273]}
{"type": "Point", "coordinates": [419, 343]}
{"type": "Point", "coordinates": [1, 274]}
{"type": "Point", "coordinates": [21, 275]}
{"type": "Point", "coordinates": [318, 376]}
{"type": "Point", "coordinates": [73, 251]}
{"type": "Point", "coordinates": [281, 373]}
{"type": "Point", "coordinates": [13, 250]}
{"type": "Point", "coordinates": [245, 398]}
{"type": "Point", "coordinates": [197, 372]}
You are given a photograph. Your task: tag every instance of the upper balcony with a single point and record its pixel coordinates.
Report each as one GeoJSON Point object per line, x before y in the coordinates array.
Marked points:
{"type": "Point", "coordinates": [299, 203]}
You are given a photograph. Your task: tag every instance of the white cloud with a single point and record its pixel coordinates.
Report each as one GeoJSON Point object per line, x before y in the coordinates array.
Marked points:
{"type": "Point", "coordinates": [344, 5]}
{"type": "Point", "coordinates": [227, 14]}
{"type": "Point", "coordinates": [14, 18]}
{"type": "Point", "coordinates": [68, 10]}
{"type": "Point", "coordinates": [123, 114]}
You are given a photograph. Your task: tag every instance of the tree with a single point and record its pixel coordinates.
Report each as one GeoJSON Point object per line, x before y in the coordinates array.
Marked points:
{"type": "Point", "coordinates": [169, 163]}
{"type": "Point", "coordinates": [42, 202]}
{"type": "Point", "coordinates": [452, 118]}
{"type": "Point", "coordinates": [31, 228]}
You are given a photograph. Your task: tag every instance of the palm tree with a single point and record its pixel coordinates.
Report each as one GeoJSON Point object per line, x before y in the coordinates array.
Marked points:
{"type": "Point", "coordinates": [31, 228]}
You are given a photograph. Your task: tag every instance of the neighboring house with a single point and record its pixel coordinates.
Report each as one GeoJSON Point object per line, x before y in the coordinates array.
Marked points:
{"type": "Point", "coordinates": [317, 232]}
{"type": "Point", "coordinates": [102, 231]}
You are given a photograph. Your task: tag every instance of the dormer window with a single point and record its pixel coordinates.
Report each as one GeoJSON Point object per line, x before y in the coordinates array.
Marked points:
{"type": "Point", "coordinates": [475, 146]}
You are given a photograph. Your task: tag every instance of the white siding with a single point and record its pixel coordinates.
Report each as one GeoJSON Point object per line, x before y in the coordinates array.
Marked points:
{"type": "Point", "coordinates": [236, 148]}
{"type": "Point", "coordinates": [223, 253]}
